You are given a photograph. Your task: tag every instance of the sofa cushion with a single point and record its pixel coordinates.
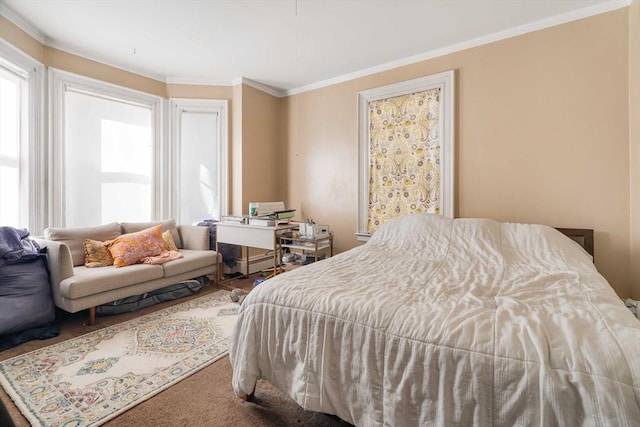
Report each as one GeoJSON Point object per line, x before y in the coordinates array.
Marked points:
{"type": "Point", "coordinates": [96, 254]}
{"type": "Point", "coordinates": [90, 281]}
{"type": "Point", "coordinates": [167, 224]}
{"type": "Point", "coordinates": [192, 260]}
{"type": "Point", "coordinates": [131, 248]}
{"type": "Point", "coordinates": [75, 237]}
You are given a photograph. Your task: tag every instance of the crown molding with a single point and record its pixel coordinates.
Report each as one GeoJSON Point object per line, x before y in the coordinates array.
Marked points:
{"type": "Point", "coordinates": [479, 41]}
{"type": "Point", "coordinates": [21, 23]}
{"type": "Point", "coordinates": [260, 86]}
{"type": "Point", "coordinates": [198, 82]}
{"type": "Point", "coordinates": [236, 81]}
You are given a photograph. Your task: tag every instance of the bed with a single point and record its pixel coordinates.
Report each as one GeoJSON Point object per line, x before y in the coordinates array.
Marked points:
{"type": "Point", "coordinates": [438, 321]}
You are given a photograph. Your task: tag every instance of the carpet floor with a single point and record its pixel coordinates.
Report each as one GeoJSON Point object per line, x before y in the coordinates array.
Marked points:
{"type": "Point", "coordinates": [202, 399]}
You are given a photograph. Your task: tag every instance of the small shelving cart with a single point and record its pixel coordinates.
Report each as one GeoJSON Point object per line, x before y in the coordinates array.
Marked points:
{"type": "Point", "coordinates": [314, 247]}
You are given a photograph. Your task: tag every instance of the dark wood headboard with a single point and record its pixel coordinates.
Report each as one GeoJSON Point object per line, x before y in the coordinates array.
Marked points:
{"type": "Point", "coordinates": [583, 236]}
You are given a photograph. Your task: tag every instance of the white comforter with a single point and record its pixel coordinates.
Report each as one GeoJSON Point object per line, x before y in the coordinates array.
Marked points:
{"type": "Point", "coordinates": [447, 322]}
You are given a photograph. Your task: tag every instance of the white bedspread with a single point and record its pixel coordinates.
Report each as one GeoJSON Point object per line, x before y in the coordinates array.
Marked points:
{"type": "Point", "coordinates": [447, 322]}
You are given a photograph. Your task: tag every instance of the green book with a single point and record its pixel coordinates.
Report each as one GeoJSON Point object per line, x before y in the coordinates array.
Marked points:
{"type": "Point", "coordinates": [290, 213]}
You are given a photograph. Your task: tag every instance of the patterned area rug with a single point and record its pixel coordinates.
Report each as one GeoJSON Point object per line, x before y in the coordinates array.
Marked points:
{"type": "Point", "coordinates": [89, 380]}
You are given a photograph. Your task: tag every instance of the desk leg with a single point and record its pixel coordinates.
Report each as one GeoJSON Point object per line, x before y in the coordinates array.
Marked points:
{"type": "Point", "coordinates": [217, 264]}
{"type": "Point", "coordinates": [247, 258]}
{"type": "Point", "coordinates": [331, 246]}
{"type": "Point", "coordinates": [275, 260]}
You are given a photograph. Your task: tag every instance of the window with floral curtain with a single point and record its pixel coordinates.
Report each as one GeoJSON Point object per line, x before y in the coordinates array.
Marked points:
{"type": "Point", "coordinates": [406, 151]}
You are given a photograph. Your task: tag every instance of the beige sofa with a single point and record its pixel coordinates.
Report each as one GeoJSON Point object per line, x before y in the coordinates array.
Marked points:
{"type": "Point", "coordinates": [76, 287]}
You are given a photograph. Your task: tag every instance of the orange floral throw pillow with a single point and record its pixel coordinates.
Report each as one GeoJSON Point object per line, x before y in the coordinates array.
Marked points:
{"type": "Point", "coordinates": [133, 247]}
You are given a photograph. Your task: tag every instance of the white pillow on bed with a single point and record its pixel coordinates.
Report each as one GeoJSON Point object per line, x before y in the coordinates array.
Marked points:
{"type": "Point", "coordinates": [410, 229]}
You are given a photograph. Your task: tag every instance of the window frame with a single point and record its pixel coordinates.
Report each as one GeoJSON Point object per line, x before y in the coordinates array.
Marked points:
{"type": "Point", "coordinates": [33, 178]}
{"type": "Point", "coordinates": [62, 81]}
{"type": "Point", "coordinates": [444, 81]}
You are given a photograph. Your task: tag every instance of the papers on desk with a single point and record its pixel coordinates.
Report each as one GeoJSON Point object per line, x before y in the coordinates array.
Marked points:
{"type": "Point", "coordinates": [234, 219]}
{"type": "Point", "coordinates": [267, 222]}
{"type": "Point", "coordinates": [265, 208]}
{"type": "Point", "coordinates": [273, 218]}
{"type": "Point", "coordinates": [270, 214]}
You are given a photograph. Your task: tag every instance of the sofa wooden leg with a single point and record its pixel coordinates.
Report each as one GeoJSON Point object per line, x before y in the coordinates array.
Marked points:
{"type": "Point", "coordinates": [92, 316]}
{"type": "Point", "coordinates": [248, 397]}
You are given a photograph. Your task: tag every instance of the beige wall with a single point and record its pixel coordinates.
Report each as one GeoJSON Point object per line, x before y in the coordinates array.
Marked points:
{"type": "Point", "coordinates": [260, 143]}
{"type": "Point", "coordinates": [254, 155]}
{"type": "Point", "coordinates": [322, 159]}
{"type": "Point", "coordinates": [634, 145]}
{"type": "Point", "coordinates": [542, 137]}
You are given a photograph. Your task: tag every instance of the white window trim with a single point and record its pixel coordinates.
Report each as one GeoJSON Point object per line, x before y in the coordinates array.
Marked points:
{"type": "Point", "coordinates": [33, 177]}
{"type": "Point", "coordinates": [61, 81]}
{"type": "Point", "coordinates": [444, 81]}
{"type": "Point", "coordinates": [178, 106]}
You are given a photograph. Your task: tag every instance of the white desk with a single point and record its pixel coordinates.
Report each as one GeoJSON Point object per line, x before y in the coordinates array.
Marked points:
{"type": "Point", "coordinates": [251, 236]}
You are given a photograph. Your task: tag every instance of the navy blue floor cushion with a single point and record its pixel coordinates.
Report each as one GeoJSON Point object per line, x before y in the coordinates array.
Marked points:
{"type": "Point", "coordinates": [25, 293]}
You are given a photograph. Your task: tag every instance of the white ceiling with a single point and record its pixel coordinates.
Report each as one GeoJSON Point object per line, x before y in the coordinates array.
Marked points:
{"type": "Point", "coordinates": [287, 45]}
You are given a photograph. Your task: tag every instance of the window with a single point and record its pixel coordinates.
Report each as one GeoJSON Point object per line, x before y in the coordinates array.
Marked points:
{"type": "Point", "coordinates": [199, 141]}
{"type": "Point", "coordinates": [107, 151]}
{"type": "Point", "coordinates": [21, 145]}
{"type": "Point", "coordinates": [13, 205]}
{"type": "Point", "coordinates": [405, 150]}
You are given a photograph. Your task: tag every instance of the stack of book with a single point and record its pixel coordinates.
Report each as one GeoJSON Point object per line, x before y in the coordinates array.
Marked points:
{"type": "Point", "coordinates": [272, 219]}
